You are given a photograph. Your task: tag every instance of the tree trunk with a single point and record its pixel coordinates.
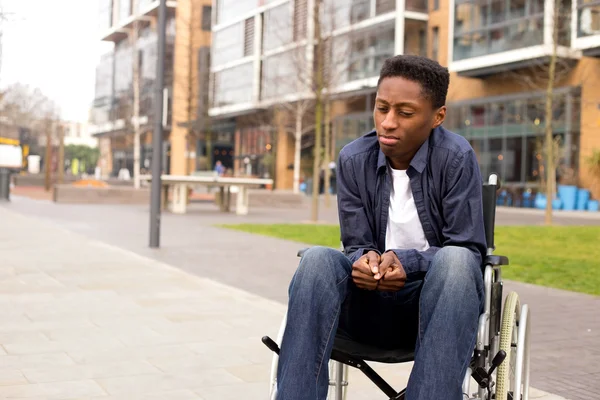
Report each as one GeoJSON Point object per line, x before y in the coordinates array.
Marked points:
{"type": "Point", "coordinates": [297, 145]}
{"type": "Point", "coordinates": [318, 112]}
{"type": "Point", "coordinates": [136, 107]}
{"type": "Point", "coordinates": [327, 154]}
{"type": "Point", "coordinates": [61, 155]}
{"type": "Point", "coordinates": [549, 143]}
{"type": "Point", "coordinates": [47, 158]}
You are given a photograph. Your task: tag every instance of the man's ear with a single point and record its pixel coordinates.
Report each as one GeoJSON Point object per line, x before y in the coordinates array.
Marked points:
{"type": "Point", "coordinates": [440, 116]}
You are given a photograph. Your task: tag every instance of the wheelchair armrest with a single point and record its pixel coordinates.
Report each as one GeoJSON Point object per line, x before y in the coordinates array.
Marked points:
{"type": "Point", "coordinates": [302, 251]}
{"type": "Point", "coordinates": [496, 260]}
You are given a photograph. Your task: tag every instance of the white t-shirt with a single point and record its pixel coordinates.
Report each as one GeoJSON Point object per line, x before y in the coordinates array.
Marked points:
{"type": "Point", "coordinates": [404, 229]}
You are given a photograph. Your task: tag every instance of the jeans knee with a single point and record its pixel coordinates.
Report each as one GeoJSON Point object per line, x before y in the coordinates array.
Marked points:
{"type": "Point", "coordinates": [457, 267]}
{"type": "Point", "coordinates": [323, 264]}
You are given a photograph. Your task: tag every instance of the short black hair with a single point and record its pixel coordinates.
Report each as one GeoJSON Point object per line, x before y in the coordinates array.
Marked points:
{"type": "Point", "coordinates": [434, 78]}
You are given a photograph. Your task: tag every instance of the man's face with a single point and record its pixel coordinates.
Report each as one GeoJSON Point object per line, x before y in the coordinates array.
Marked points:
{"type": "Point", "coordinates": [403, 119]}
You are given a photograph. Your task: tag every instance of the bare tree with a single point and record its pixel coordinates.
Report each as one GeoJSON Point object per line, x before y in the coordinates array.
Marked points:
{"type": "Point", "coordinates": [546, 75]}
{"type": "Point", "coordinates": [24, 106]}
{"type": "Point", "coordinates": [314, 71]}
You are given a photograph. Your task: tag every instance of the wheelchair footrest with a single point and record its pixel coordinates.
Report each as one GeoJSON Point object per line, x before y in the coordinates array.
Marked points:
{"type": "Point", "coordinates": [270, 343]}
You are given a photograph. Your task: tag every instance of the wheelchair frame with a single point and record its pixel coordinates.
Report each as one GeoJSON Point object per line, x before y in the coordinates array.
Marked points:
{"type": "Point", "coordinates": [502, 345]}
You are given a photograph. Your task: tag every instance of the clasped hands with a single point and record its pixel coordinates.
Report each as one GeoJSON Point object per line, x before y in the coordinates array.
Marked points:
{"type": "Point", "coordinates": [375, 272]}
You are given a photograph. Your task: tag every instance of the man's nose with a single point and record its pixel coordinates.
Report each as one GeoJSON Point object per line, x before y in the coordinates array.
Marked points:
{"type": "Point", "coordinates": [389, 122]}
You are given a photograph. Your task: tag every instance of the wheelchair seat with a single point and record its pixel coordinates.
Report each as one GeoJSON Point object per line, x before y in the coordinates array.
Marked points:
{"type": "Point", "coordinates": [367, 352]}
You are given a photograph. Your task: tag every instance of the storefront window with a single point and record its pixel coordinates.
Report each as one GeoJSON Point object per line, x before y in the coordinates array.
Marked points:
{"type": "Point", "coordinates": [506, 132]}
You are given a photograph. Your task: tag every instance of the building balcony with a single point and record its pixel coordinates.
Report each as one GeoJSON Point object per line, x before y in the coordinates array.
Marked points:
{"type": "Point", "coordinates": [145, 12]}
{"type": "Point", "coordinates": [489, 38]}
{"type": "Point", "coordinates": [586, 28]}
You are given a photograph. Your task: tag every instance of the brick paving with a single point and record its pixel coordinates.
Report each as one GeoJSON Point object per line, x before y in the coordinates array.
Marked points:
{"type": "Point", "coordinates": [566, 326]}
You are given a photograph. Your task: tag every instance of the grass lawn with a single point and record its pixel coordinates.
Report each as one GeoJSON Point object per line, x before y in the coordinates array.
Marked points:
{"type": "Point", "coordinates": [564, 257]}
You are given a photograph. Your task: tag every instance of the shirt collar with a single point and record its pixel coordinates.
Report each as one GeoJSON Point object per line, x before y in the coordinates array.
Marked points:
{"type": "Point", "coordinates": [418, 162]}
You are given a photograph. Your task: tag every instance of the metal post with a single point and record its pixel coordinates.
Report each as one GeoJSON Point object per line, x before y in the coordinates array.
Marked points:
{"type": "Point", "coordinates": [158, 129]}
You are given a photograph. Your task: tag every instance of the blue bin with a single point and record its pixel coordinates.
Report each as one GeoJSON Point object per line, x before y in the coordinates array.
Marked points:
{"type": "Point", "coordinates": [568, 196]}
{"type": "Point", "coordinates": [583, 197]}
{"type": "Point", "coordinates": [592, 205]}
{"type": "Point", "coordinates": [557, 204]}
{"type": "Point", "coordinates": [540, 201]}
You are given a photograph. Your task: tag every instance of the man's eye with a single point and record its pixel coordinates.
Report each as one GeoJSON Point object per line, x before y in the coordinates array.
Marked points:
{"type": "Point", "coordinates": [382, 109]}
{"type": "Point", "coordinates": [406, 114]}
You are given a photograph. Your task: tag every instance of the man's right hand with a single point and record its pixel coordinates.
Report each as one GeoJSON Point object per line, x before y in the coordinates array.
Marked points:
{"type": "Point", "coordinates": [365, 271]}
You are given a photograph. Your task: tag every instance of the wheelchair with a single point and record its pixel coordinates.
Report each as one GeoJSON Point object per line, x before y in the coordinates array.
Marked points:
{"type": "Point", "coordinates": [499, 367]}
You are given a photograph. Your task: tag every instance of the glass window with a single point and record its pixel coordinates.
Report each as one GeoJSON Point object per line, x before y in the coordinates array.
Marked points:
{"type": "Point", "coordinates": [477, 117]}
{"type": "Point", "coordinates": [384, 6]}
{"type": "Point", "coordinates": [361, 54]}
{"type": "Point", "coordinates": [124, 9]}
{"type": "Point", "coordinates": [280, 74]}
{"type": "Point", "coordinates": [589, 18]}
{"type": "Point", "coordinates": [104, 76]}
{"type": "Point", "coordinates": [415, 41]}
{"type": "Point", "coordinates": [143, 4]}
{"type": "Point", "coordinates": [228, 44]}
{"type": "Point", "coordinates": [533, 158]}
{"type": "Point", "coordinates": [105, 14]}
{"type": "Point", "coordinates": [482, 28]}
{"type": "Point", "coordinates": [233, 85]}
{"type": "Point", "coordinates": [206, 18]}
{"type": "Point", "coordinates": [416, 5]}
{"type": "Point", "coordinates": [123, 66]}
{"type": "Point", "coordinates": [277, 27]}
{"type": "Point", "coordinates": [229, 9]}
{"type": "Point", "coordinates": [512, 158]}
{"type": "Point", "coordinates": [435, 43]}
{"type": "Point", "coordinates": [335, 15]}
{"type": "Point", "coordinates": [360, 10]}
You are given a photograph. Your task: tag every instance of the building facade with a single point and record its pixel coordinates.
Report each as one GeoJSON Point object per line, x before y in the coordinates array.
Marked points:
{"type": "Point", "coordinates": [131, 25]}
{"type": "Point", "coordinates": [498, 53]}
{"type": "Point", "coordinates": [240, 71]}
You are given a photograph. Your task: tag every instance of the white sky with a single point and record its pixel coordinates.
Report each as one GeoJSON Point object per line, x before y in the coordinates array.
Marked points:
{"type": "Point", "coordinates": [53, 45]}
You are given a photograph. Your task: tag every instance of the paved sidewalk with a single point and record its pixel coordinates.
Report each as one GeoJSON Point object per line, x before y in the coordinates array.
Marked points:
{"type": "Point", "coordinates": [82, 319]}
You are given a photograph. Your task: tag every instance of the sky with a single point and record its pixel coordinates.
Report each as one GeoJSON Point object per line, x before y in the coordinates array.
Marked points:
{"type": "Point", "coordinates": [53, 45]}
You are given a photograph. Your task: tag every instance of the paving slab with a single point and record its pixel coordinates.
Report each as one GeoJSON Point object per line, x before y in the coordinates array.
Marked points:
{"type": "Point", "coordinates": [85, 319]}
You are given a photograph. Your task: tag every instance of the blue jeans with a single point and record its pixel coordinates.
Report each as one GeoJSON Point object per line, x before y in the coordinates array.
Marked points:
{"type": "Point", "coordinates": [438, 315]}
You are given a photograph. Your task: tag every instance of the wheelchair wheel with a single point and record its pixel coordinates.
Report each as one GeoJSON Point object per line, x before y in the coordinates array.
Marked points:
{"type": "Point", "coordinates": [335, 392]}
{"type": "Point", "coordinates": [513, 374]}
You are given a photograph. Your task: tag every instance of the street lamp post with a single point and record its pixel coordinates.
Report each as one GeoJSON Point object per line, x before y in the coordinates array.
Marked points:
{"type": "Point", "coordinates": [158, 129]}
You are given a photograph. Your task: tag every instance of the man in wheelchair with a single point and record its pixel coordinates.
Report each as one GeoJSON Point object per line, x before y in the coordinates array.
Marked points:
{"type": "Point", "coordinates": [410, 211]}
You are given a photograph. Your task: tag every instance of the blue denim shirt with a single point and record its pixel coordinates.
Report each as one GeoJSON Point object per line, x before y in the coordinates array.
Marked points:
{"type": "Point", "coordinates": [446, 185]}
